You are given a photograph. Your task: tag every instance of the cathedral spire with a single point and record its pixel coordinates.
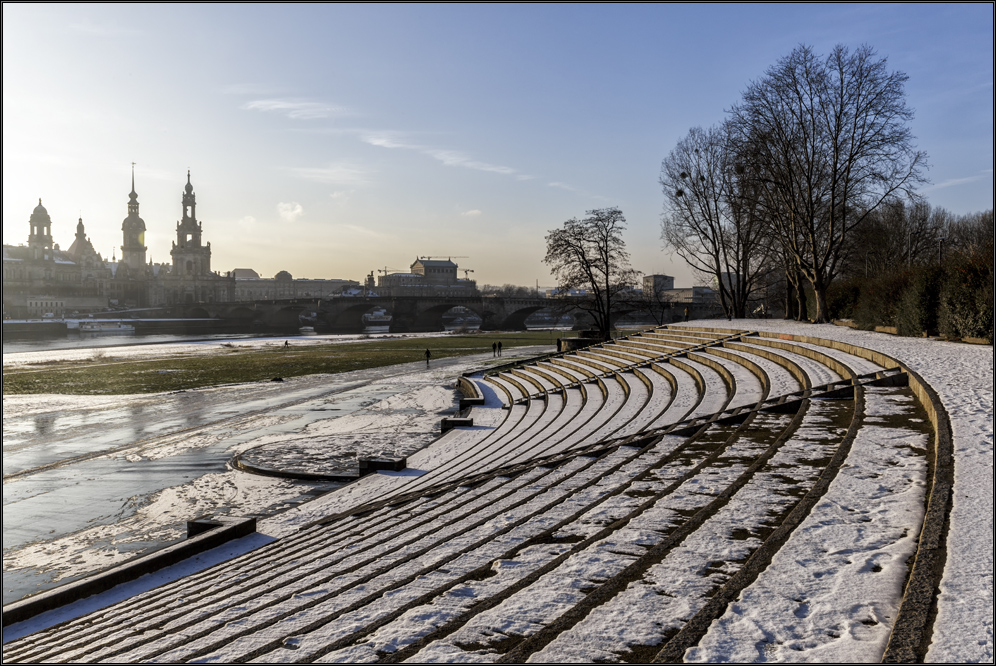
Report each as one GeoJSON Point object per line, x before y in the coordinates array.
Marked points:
{"type": "Point", "coordinates": [133, 196]}
{"type": "Point", "coordinates": [133, 231]}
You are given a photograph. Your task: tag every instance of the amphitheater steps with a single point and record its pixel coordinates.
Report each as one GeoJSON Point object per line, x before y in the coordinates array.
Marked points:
{"type": "Point", "coordinates": [626, 496]}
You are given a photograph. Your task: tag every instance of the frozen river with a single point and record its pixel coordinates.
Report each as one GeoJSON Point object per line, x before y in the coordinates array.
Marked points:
{"type": "Point", "coordinates": [90, 481]}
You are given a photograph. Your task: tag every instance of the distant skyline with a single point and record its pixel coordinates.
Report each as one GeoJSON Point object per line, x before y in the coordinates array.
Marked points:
{"type": "Point", "coordinates": [333, 140]}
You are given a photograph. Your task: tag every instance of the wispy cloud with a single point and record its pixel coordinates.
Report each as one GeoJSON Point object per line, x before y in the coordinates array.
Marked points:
{"type": "Point", "coordinates": [455, 158]}
{"type": "Point", "coordinates": [447, 157]}
{"type": "Point", "coordinates": [357, 230]}
{"type": "Point", "coordinates": [296, 108]}
{"type": "Point", "coordinates": [952, 182]}
{"type": "Point", "coordinates": [471, 213]}
{"type": "Point", "coordinates": [576, 190]}
{"type": "Point", "coordinates": [340, 174]}
{"type": "Point", "coordinates": [564, 186]}
{"type": "Point", "coordinates": [289, 212]}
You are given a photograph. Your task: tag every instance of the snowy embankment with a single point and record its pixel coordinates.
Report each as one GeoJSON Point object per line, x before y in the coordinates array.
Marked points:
{"type": "Point", "coordinates": [962, 375]}
{"type": "Point", "coordinates": [135, 468]}
{"type": "Point", "coordinates": [744, 522]}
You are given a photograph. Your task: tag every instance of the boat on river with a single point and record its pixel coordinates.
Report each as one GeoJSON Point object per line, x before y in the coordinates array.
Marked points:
{"type": "Point", "coordinates": [106, 327]}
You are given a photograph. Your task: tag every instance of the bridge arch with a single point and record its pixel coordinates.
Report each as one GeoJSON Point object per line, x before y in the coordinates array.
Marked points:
{"type": "Point", "coordinates": [515, 320]}
{"type": "Point", "coordinates": [431, 318]}
{"type": "Point", "coordinates": [349, 317]}
{"type": "Point", "coordinates": [288, 316]}
{"type": "Point", "coordinates": [242, 314]}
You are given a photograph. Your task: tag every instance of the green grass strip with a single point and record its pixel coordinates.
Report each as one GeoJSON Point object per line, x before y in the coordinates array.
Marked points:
{"type": "Point", "coordinates": [103, 374]}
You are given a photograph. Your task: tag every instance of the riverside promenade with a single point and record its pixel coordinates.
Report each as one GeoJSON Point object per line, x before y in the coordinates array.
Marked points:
{"type": "Point", "coordinates": [697, 492]}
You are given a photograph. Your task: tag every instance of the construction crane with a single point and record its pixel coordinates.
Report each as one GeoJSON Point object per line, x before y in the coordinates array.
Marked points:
{"type": "Point", "coordinates": [446, 256]}
{"type": "Point", "coordinates": [467, 272]}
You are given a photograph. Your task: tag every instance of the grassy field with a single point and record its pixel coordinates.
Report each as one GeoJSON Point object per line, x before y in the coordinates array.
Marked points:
{"type": "Point", "coordinates": [103, 374]}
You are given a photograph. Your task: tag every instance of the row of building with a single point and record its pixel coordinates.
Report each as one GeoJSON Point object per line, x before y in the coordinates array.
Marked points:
{"type": "Point", "coordinates": [41, 279]}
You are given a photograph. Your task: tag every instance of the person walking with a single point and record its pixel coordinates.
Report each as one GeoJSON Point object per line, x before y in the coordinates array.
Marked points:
{"type": "Point", "coordinates": [499, 347]}
{"type": "Point", "coordinates": [428, 355]}
{"type": "Point", "coordinates": [494, 349]}
{"type": "Point", "coordinates": [686, 314]}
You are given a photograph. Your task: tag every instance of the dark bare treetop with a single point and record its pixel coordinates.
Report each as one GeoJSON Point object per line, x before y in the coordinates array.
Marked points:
{"type": "Point", "coordinates": [829, 139]}
{"type": "Point", "coordinates": [590, 255]}
{"type": "Point", "coordinates": [712, 216]}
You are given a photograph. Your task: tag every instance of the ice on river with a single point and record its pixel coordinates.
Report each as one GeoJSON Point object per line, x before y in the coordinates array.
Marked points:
{"type": "Point", "coordinates": [91, 481]}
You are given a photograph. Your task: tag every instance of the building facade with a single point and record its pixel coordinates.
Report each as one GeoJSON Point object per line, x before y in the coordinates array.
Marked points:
{"type": "Point", "coordinates": [40, 279]}
{"type": "Point", "coordinates": [250, 286]}
{"type": "Point", "coordinates": [190, 280]}
{"type": "Point", "coordinates": [427, 277]}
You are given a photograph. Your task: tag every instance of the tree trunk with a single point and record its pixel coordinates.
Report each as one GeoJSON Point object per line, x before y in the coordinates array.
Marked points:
{"type": "Point", "coordinates": [822, 312]}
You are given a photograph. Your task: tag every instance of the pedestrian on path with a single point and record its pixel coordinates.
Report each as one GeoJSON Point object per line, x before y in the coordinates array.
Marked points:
{"type": "Point", "coordinates": [686, 314]}
{"type": "Point", "coordinates": [494, 349]}
{"type": "Point", "coordinates": [428, 355]}
{"type": "Point", "coordinates": [499, 347]}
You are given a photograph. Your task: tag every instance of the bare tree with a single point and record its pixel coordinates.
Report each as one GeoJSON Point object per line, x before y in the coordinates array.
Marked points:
{"type": "Point", "coordinates": [654, 299]}
{"type": "Point", "coordinates": [899, 234]}
{"type": "Point", "coordinates": [588, 258]}
{"type": "Point", "coordinates": [507, 291]}
{"type": "Point", "coordinates": [712, 216]}
{"type": "Point", "coordinates": [831, 144]}
{"type": "Point", "coordinates": [971, 233]}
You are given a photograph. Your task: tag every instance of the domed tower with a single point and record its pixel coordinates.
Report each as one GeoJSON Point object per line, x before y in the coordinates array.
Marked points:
{"type": "Point", "coordinates": [133, 234]}
{"type": "Point", "coordinates": [40, 238]}
{"type": "Point", "coordinates": [190, 257]}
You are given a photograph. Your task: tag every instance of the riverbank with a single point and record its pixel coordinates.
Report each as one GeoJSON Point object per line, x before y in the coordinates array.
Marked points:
{"type": "Point", "coordinates": [91, 481]}
{"type": "Point", "coordinates": [164, 368]}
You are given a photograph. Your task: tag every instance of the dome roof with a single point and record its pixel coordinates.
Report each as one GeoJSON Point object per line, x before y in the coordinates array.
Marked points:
{"type": "Point", "coordinates": [39, 209]}
{"type": "Point", "coordinates": [133, 222]}
{"type": "Point", "coordinates": [283, 275]}
{"type": "Point", "coordinates": [188, 188]}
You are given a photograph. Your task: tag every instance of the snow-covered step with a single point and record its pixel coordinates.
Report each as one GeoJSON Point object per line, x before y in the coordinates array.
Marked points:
{"type": "Point", "coordinates": [540, 538]}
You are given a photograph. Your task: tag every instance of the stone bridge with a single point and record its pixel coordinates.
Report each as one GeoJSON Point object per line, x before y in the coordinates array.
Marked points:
{"type": "Point", "coordinates": [345, 314]}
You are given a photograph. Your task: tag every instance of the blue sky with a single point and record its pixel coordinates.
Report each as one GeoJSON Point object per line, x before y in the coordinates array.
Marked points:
{"type": "Point", "coordinates": [333, 140]}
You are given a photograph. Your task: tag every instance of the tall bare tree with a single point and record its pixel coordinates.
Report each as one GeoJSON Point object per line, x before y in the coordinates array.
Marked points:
{"type": "Point", "coordinates": [831, 144]}
{"type": "Point", "coordinates": [589, 255]}
{"type": "Point", "coordinates": [712, 215]}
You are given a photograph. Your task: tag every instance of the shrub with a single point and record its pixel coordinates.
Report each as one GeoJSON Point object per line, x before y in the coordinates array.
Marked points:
{"type": "Point", "coordinates": [877, 303]}
{"type": "Point", "coordinates": [842, 297]}
{"type": "Point", "coordinates": [916, 313]}
{"type": "Point", "coordinates": [966, 299]}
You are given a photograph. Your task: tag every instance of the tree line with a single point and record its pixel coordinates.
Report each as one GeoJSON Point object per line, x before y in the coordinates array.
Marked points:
{"type": "Point", "coordinates": [804, 192]}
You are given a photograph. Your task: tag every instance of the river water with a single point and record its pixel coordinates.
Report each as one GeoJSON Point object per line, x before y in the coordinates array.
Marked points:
{"type": "Point", "coordinates": [90, 481]}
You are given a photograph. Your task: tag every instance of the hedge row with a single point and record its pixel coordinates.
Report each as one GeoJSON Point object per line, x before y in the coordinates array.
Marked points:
{"type": "Point", "coordinates": [954, 299]}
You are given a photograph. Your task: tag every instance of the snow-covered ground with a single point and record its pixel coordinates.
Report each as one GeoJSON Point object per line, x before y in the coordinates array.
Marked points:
{"type": "Point", "coordinates": [962, 375]}
{"type": "Point", "coordinates": [829, 594]}
{"type": "Point", "coordinates": [91, 481]}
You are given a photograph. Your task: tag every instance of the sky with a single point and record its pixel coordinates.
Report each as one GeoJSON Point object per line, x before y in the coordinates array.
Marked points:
{"type": "Point", "coordinates": [333, 140]}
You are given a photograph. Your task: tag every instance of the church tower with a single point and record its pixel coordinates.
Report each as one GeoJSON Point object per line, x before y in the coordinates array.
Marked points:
{"type": "Point", "coordinates": [190, 257]}
{"type": "Point", "coordinates": [133, 234]}
{"type": "Point", "coordinates": [40, 238]}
